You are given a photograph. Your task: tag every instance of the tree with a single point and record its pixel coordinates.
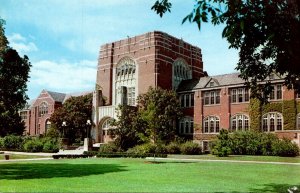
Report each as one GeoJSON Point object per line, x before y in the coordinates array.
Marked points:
{"type": "Point", "coordinates": [266, 33]}
{"type": "Point", "coordinates": [159, 109]}
{"type": "Point", "coordinates": [14, 72]}
{"type": "Point", "coordinates": [125, 128]}
{"type": "Point", "coordinates": [75, 112]}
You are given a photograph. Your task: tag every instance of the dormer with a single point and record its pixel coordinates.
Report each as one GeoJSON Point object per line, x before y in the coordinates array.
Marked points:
{"type": "Point", "coordinates": [212, 83]}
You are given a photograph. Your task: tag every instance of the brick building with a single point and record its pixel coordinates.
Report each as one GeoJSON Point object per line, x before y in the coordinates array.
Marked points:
{"type": "Point", "coordinates": [37, 113]}
{"type": "Point", "coordinates": [127, 68]}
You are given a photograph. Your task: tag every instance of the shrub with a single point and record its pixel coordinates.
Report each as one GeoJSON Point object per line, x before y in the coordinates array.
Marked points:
{"type": "Point", "coordinates": [221, 146]}
{"type": "Point", "coordinates": [34, 145]}
{"type": "Point", "coordinates": [108, 148]}
{"type": "Point", "coordinates": [161, 149]}
{"type": "Point", "coordinates": [285, 148]}
{"type": "Point", "coordinates": [52, 133]}
{"type": "Point", "coordinates": [1, 143]}
{"type": "Point", "coordinates": [173, 148]}
{"type": "Point", "coordinates": [143, 149]}
{"type": "Point", "coordinates": [191, 148]}
{"type": "Point", "coordinates": [267, 141]}
{"type": "Point", "coordinates": [245, 143]}
{"type": "Point", "coordinates": [51, 146]}
{"type": "Point", "coordinates": [13, 142]}
{"type": "Point", "coordinates": [253, 143]}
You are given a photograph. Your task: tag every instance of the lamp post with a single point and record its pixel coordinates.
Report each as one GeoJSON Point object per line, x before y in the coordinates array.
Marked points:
{"type": "Point", "coordinates": [64, 124]}
{"type": "Point", "coordinates": [88, 123]}
{"type": "Point", "coordinates": [87, 146]}
{"type": "Point", "coordinates": [64, 140]}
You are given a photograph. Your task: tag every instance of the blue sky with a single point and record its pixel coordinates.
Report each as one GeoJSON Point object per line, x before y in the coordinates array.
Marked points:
{"type": "Point", "coordinates": [62, 38]}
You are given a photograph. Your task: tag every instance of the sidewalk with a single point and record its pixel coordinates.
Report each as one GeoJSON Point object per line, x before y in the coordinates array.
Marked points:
{"type": "Point", "coordinates": [28, 153]}
{"type": "Point", "coordinates": [31, 159]}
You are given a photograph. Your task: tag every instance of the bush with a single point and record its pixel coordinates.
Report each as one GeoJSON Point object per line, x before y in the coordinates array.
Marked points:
{"type": "Point", "coordinates": [52, 133]}
{"type": "Point", "coordinates": [267, 141]}
{"type": "Point", "coordinates": [34, 145]}
{"type": "Point", "coordinates": [173, 148]}
{"type": "Point", "coordinates": [51, 146]}
{"type": "Point", "coordinates": [1, 143]}
{"type": "Point", "coordinates": [13, 142]}
{"type": "Point", "coordinates": [253, 143]}
{"type": "Point", "coordinates": [221, 147]}
{"type": "Point", "coordinates": [190, 148]}
{"type": "Point", "coordinates": [161, 149]}
{"type": "Point", "coordinates": [142, 149]}
{"type": "Point", "coordinates": [285, 148]}
{"type": "Point", "coordinates": [108, 148]}
{"type": "Point", "coordinates": [245, 143]}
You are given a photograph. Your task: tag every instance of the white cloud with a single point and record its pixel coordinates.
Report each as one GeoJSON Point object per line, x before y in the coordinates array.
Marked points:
{"type": "Point", "coordinates": [63, 76]}
{"type": "Point", "coordinates": [21, 44]}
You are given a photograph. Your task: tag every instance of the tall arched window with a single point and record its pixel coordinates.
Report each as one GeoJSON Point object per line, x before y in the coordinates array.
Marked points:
{"type": "Point", "coordinates": [211, 124]}
{"type": "Point", "coordinates": [47, 125]}
{"type": "Point", "coordinates": [239, 123]}
{"type": "Point", "coordinates": [43, 109]}
{"type": "Point", "coordinates": [181, 71]}
{"type": "Point", "coordinates": [186, 125]}
{"type": "Point", "coordinates": [125, 82]}
{"type": "Point", "coordinates": [272, 122]}
{"type": "Point", "coordinates": [106, 125]}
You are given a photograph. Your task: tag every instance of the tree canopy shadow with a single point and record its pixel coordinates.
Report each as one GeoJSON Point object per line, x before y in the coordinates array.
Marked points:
{"type": "Point", "coordinates": [278, 188]}
{"type": "Point", "coordinates": [52, 170]}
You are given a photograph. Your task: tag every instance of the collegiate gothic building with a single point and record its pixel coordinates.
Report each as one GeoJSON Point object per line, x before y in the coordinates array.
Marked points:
{"type": "Point", "coordinates": [128, 67]}
{"type": "Point", "coordinates": [36, 115]}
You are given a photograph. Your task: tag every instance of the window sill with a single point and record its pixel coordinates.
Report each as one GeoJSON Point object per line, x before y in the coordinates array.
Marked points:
{"type": "Point", "coordinates": [212, 105]}
{"type": "Point", "coordinates": [238, 103]}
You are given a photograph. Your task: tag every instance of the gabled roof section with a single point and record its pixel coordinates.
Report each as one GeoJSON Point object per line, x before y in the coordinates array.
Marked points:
{"type": "Point", "coordinates": [222, 80]}
{"type": "Point", "coordinates": [212, 83]}
{"type": "Point", "coordinates": [204, 82]}
{"type": "Point", "coordinates": [56, 96]}
{"type": "Point", "coordinates": [219, 81]}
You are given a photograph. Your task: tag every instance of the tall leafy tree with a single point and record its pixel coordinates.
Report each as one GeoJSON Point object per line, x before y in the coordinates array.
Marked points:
{"type": "Point", "coordinates": [266, 33]}
{"type": "Point", "coordinates": [158, 110]}
{"type": "Point", "coordinates": [126, 130]}
{"type": "Point", "coordinates": [14, 72]}
{"type": "Point", "coordinates": [75, 112]}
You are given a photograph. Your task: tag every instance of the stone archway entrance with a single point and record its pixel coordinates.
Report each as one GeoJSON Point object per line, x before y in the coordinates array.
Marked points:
{"type": "Point", "coordinates": [104, 129]}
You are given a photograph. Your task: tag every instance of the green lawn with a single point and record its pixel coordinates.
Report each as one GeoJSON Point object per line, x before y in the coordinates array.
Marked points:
{"type": "Point", "coordinates": [241, 158]}
{"type": "Point", "coordinates": [138, 175]}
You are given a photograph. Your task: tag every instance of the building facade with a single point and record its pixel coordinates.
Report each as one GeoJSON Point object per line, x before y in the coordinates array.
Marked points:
{"type": "Point", "coordinates": [223, 102]}
{"type": "Point", "coordinates": [128, 67]}
{"type": "Point", "coordinates": [36, 115]}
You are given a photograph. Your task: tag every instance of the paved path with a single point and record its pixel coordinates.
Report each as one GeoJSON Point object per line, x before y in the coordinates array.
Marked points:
{"type": "Point", "coordinates": [28, 153]}
{"type": "Point", "coordinates": [32, 159]}
{"type": "Point", "coordinates": [230, 161]}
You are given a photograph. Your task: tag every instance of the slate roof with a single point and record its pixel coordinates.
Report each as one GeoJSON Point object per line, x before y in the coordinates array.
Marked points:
{"type": "Point", "coordinates": [219, 80]}
{"type": "Point", "coordinates": [58, 97]}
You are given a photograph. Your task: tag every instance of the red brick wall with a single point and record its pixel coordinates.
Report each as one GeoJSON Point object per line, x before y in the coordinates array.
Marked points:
{"type": "Point", "coordinates": [154, 53]}
{"type": "Point", "coordinates": [35, 120]}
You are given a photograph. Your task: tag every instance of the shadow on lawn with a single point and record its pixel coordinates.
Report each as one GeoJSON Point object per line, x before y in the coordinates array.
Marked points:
{"type": "Point", "coordinates": [278, 188]}
{"type": "Point", "coordinates": [48, 170]}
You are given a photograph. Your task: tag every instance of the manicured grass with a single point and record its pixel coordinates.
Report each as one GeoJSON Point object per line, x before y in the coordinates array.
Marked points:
{"type": "Point", "coordinates": [241, 158]}
{"type": "Point", "coordinates": [20, 156]}
{"type": "Point", "coordinates": [138, 175]}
